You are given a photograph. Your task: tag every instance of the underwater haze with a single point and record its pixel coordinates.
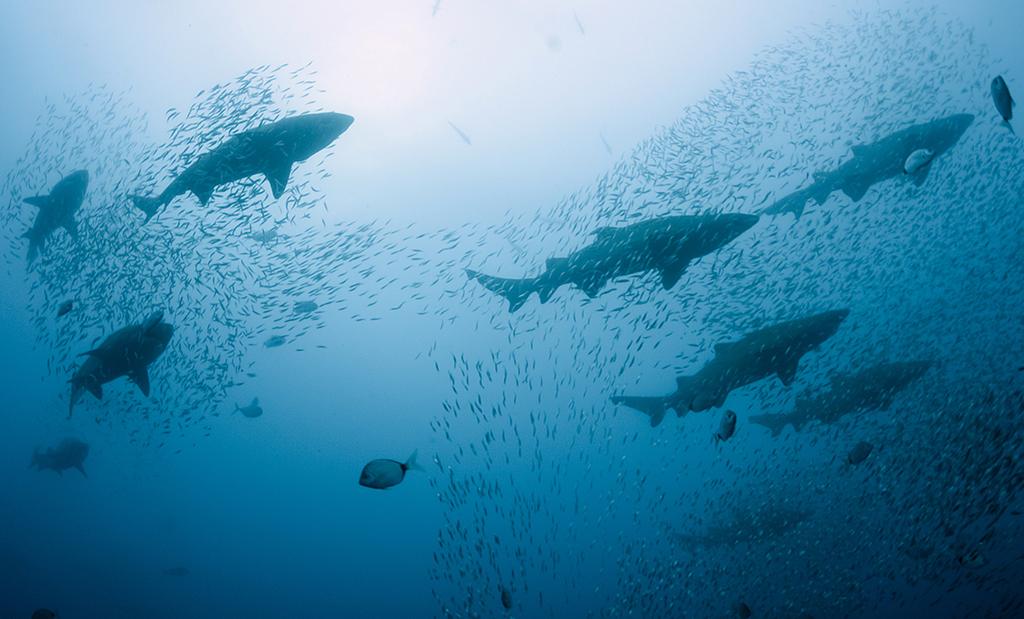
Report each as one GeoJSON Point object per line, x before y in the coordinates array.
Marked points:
{"type": "Point", "coordinates": [438, 308]}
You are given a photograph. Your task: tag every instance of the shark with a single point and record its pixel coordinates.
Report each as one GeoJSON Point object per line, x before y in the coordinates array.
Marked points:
{"type": "Point", "coordinates": [664, 244]}
{"type": "Point", "coordinates": [878, 161]}
{"type": "Point", "coordinates": [56, 210]}
{"type": "Point", "coordinates": [271, 149]}
{"type": "Point", "coordinates": [773, 350]}
{"type": "Point", "coordinates": [872, 389]}
{"type": "Point", "coordinates": [127, 352]}
{"type": "Point", "coordinates": [69, 453]}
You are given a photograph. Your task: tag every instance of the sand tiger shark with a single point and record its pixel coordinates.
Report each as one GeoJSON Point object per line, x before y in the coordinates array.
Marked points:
{"type": "Point", "coordinates": [56, 210]}
{"type": "Point", "coordinates": [776, 349]}
{"type": "Point", "coordinates": [872, 389]}
{"type": "Point", "coordinates": [271, 150]}
{"type": "Point", "coordinates": [665, 244]}
{"type": "Point", "coordinates": [878, 161]}
{"type": "Point", "coordinates": [126, 352]}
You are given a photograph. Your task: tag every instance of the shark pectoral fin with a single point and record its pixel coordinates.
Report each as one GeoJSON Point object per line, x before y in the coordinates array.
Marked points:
{"type": "Point", "coordinates": [277, 175]}
{"type": "Point", "coordinates": [202, 193]}
{"type": "Point", "coordinates": [39, 201]}
{"type": "Point", "coordinates": [787, 374]}
{"type": "Point", "coordinates": [774, 423]}
{"type": "Point", "coordinates": [96, 390]}
{"type": "Point", "coordinates": [922, 175]}
{"type": "Point", "coordinates": [670, 275]}
{"type": "Point", "coordinates": [855, 189]}
{"type": "Point", "coordinates": [81, 469]}
{"type": "Point", "coordinates": [591, 288]}
{"type": "Point", "coordinates": [140, 376]}
{"type": "Point", "coordinates": [654, 407]}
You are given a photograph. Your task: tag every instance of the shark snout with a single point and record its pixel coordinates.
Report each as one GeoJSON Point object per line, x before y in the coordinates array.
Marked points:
{"type": "Point", "coordinates": [335, 124]}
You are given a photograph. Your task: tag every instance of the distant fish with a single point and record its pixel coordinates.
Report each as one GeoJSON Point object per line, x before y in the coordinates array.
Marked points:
{"type": "Point", "coordinates": [437, 5]}
{"type": "Point", "coordinates": [1004, 100]}
{"type": "Point", "coordinates": [462, 134]}
{"type": "Point", "coordinates": [506, 599]}
{"type": "Point", "coordinates": [859, 453]}
{"type": "Point", "coordinates": [382, 474]}
{"type": "Point", "coordinates": [69, 454]}
{"type": "Point", "coordinates": [305, 307]}
{"type": "Point", "coordinates": [579, 24]}
{"type": "Point", "coordinates": [607, 146]}
{"type": "Point", "coordinates": [252, 411]}
{"type": "Point", "coordinates": [44, 613]}
{"type": "Point", "coordinates": [971, 559]}
{"type": "Point", "coordinates": [742, 610]}
{"type": "Point", "coordinates": [65, 308]}
{"type": "Point", "coordinates": [918, 160]}
{"type": "Point", "coordinates": [727, 427]}
{"type": "Point", "coordinates": [274, 341]}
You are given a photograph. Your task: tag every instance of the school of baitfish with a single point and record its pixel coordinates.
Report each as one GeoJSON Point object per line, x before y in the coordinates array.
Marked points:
{"type": "Point", "coordinates": [881, 324]}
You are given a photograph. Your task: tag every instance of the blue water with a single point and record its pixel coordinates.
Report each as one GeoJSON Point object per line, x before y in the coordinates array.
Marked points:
{"type": "Point", "coordinates": [492, 138]}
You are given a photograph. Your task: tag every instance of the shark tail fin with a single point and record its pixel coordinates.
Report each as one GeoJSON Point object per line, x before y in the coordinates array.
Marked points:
{"type": "Point", "coordinates": [147, 205]}
{"type": "Point", "coordinates": [517, 291]}
{"type": "Point", "coordinates": [774, 423]}
{"type": "Point", "coordinates": [654, 407]}
{"type": "Point", "coordinates": [411, 464]}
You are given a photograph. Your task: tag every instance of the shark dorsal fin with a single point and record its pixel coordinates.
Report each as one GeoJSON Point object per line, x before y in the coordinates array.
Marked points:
{"type": "Point", "coordinates": [277, 175]}
{"type": "Point", "coordinates": [39, 201]}
{"type": "Point", "coordinates": [859, 149]}
{"type": "Point", "coordinates": [140, 376]}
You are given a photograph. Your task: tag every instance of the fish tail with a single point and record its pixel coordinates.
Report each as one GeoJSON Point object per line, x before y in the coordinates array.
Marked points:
{"type": "Point", "coordinates": [147, 205]}
{"type": "Point", "coordinates": [411, 464]}
{"type": "Point", "coordinates": [517, 291]}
